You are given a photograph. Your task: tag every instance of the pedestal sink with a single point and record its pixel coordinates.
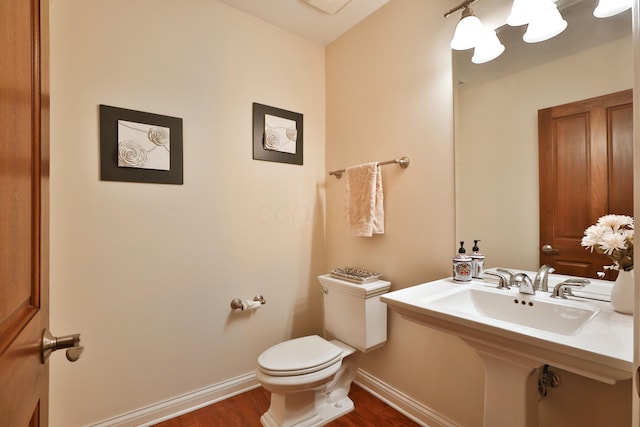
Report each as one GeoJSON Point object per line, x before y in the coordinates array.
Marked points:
{"type": "Point", "coordinates": [515, 334]}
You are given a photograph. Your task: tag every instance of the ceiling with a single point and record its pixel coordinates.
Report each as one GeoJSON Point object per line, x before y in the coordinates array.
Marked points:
{"type": "Point", "coordinates": [298, 17]}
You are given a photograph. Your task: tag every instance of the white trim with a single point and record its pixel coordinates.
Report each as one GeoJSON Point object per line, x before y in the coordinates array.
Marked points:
{"type": "Point", "coordinates": [171, 408]}
{"type": "Point", "coordinates": [402, 403]}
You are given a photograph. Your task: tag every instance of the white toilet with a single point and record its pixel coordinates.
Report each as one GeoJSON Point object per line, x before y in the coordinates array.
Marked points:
{"type": "Point", "coordinates": [309, 377]}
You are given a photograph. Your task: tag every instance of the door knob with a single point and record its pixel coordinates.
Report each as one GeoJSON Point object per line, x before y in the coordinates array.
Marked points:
{"type": "Point", "coordinates": [548, 249]}
{"type": "Point", "coordinates": [51, 344]}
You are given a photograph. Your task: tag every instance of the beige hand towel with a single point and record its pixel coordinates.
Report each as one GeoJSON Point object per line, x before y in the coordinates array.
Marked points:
{"type": "Point", "coordinates": [364, 200]}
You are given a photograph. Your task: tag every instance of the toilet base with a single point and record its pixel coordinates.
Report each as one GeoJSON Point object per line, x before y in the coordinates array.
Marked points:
{"type": "Point", "coordinates": [324, 414]}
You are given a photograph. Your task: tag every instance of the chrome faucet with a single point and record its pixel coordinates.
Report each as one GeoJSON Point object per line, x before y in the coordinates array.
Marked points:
{"type": "Point", "coordinates": [541, 281]}
{"type": "Point", "coordinates": [523, 282]}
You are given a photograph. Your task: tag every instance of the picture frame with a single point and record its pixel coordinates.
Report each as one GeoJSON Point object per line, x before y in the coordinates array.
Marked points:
{"type": "Point", "coordinates": [136, 146]}
{"type": "Point", "coordinates": [277, 135]}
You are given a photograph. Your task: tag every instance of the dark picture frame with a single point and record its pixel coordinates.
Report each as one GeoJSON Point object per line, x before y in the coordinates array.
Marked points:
{"type": "Point", "coordinates": [140, 147]}
{"type": "Point", "coordinates": [277, 135]}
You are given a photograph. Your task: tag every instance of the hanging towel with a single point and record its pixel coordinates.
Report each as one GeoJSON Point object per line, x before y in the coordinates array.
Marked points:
{"type": "Point", "coordinates": [364, 200]}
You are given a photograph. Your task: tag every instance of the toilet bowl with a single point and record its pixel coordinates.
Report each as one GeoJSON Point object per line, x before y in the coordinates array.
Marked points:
{"type": "Point", "coordinates": [309, 380]}
{"type": "Point", "coordinates": [309, 377]}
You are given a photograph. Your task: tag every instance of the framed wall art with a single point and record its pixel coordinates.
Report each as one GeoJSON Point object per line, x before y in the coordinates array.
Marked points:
{"type": "Point", "coordinates": [140, 147]}
{"type": "Point", "coordinates": [277, 135]}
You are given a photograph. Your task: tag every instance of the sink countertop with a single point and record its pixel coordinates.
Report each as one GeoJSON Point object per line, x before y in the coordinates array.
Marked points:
{"type": "Point", "coordinates": [606, 340]}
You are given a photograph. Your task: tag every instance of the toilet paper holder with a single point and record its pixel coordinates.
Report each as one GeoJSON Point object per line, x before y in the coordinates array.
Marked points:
{"type": "Point", "coordinates": [238, 304]}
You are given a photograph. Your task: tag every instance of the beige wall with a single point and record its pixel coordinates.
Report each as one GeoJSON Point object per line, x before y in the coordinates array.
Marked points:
{"type": "Point", "coordinates": [389, 94]}
{"type": "Point", "coordinates": [146, 272]}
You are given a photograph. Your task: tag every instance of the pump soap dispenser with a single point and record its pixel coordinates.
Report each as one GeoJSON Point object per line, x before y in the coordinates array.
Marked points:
{"type": "Point", "coordinates": [477, 261]}
{"type": "Point", "coordinates": [462, 266]}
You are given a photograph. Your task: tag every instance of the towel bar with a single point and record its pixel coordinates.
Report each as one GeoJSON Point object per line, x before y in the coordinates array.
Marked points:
{"type": "Point", "coordinates": [403, 162]}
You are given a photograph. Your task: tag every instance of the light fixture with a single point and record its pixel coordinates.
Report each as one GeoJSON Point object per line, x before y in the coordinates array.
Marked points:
{"type": "Point", "coordinates": [488, 48]}
{"type": "Point", "coordinates": [607, 8]}
{"type": "Point", "coordinates": [468, 31]}
{"type": "Point", "coordinates": [545, 23]}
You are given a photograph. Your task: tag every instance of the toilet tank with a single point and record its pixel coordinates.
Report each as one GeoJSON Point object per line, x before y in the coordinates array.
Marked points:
{"type": "Point", "coordinates": [353, 312]}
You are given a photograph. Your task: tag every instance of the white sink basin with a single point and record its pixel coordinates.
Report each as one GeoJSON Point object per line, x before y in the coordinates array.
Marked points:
{"type": "Point", "coordinates": [558, 316]}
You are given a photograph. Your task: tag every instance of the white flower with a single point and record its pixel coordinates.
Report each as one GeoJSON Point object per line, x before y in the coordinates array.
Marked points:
{"type": "Point", "coordinates": [612, 235]}
{"type": "Point", "coordinates": [292, 134]}
{"type": "Point", "coordinates": [131, 155]}
{"type": "Point", "coordinates": [272, 140]}
{"type": "Point", "coordinates": [613, 241]}
{"type": "Point", "coordinates": [158, 135]}
{"type": "Point", "coordinates": [615, 221]}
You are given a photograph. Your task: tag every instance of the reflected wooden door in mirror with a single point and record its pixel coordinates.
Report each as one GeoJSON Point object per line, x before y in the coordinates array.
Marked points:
{"type": "Point", "coordinates": [586, 171]}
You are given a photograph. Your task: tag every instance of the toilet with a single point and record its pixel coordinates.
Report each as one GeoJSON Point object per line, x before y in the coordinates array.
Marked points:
{"type": "Point", "coordinates": [309, 377]}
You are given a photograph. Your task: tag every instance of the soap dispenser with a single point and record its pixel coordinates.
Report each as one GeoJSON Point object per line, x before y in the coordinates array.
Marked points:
{"type": "Point", "coordinates": [477, 261]}
{"type": "Point", "coordinates": [462, 266]}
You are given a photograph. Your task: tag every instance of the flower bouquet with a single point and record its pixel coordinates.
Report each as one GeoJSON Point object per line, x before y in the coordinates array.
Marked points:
{"type": "Point", "coordinates": [612, 236]}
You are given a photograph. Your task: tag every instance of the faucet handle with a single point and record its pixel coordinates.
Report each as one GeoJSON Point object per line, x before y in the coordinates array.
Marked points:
{"type": "Point", "coordinates": [502, 280]}
{"type": "Point", "coordinates": [509, 273]}
{"type": "Point", "coordinates": [562, 289]}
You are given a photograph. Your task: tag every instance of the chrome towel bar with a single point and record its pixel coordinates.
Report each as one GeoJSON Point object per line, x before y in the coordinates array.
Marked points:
{"type": "Point", "coordinates": [403, 162]}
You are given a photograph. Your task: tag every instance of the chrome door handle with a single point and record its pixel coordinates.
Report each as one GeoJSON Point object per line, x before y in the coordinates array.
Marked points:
{"type": "Point", "coordinates": [51, 344]}
{"type": "Point", "coordinates": [549, 250]}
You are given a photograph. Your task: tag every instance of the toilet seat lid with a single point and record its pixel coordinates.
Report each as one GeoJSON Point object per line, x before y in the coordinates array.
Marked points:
{"type": "Point", "coordinates": [299, 356]}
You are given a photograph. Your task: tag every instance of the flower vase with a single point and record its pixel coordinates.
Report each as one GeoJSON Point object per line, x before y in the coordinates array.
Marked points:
{"type": "Point", "coordinates": [622, 292]}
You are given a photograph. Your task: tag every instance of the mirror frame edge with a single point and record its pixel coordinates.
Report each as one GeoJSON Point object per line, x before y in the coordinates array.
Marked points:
{"type": "Point", "coordinates": [636, 207]}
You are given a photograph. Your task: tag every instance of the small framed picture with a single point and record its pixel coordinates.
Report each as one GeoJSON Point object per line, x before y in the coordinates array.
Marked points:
{"type": "Point", "coordinates": [140, 147]}
{"type": "Point", "coordinates": [277, 135]}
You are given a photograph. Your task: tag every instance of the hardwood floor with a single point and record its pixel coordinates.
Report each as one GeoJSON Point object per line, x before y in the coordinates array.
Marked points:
{"type": "Point", "coordinates": [245, 410]}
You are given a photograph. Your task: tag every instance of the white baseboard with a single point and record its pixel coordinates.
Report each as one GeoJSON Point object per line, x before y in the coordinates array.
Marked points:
{"type": "Point", "coordinates": [188, 402]}
{"type": "Point", "coordinates": [404, 404]}
{"type": "Point", "coordinates": [171, 408]}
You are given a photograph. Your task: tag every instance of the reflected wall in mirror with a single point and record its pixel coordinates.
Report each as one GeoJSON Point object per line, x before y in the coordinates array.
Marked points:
{"type": "Point", "coordinates": [496, 123]}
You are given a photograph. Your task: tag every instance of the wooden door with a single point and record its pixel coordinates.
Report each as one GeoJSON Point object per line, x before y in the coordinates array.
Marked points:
{"type": "Point", "coordinates": [586, 171]}
{"type": "Point", "coordinates": [24, 216]}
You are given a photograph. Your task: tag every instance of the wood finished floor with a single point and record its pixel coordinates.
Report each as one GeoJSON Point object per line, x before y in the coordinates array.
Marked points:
{"type": "Point", "coordinates": [245, 410]}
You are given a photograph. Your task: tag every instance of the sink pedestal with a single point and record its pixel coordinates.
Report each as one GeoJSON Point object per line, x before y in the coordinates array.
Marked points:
{"type": "Point", "coordinates": [515, 335]}
{"type": "Point", "coordinates": [510, 390]}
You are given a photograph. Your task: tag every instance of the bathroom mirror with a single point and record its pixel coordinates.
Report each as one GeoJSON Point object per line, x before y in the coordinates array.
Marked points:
{"type": "Point", "coordinates": [496, 135]}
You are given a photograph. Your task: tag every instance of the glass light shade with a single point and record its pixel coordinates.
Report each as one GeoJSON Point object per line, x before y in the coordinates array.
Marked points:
{"type": "Point", "coordinates": [607, 8]}
{"type": "Point", "coordinates": [520, 12]}
{"type": "Point", "coordinates": [468, 31]}
{"type": "Point", "coordinates": [488, 49]}
{"type": "Point", "coordinates": [523, 10]}
{"type": "Point", "coordinates": [545, 24]}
